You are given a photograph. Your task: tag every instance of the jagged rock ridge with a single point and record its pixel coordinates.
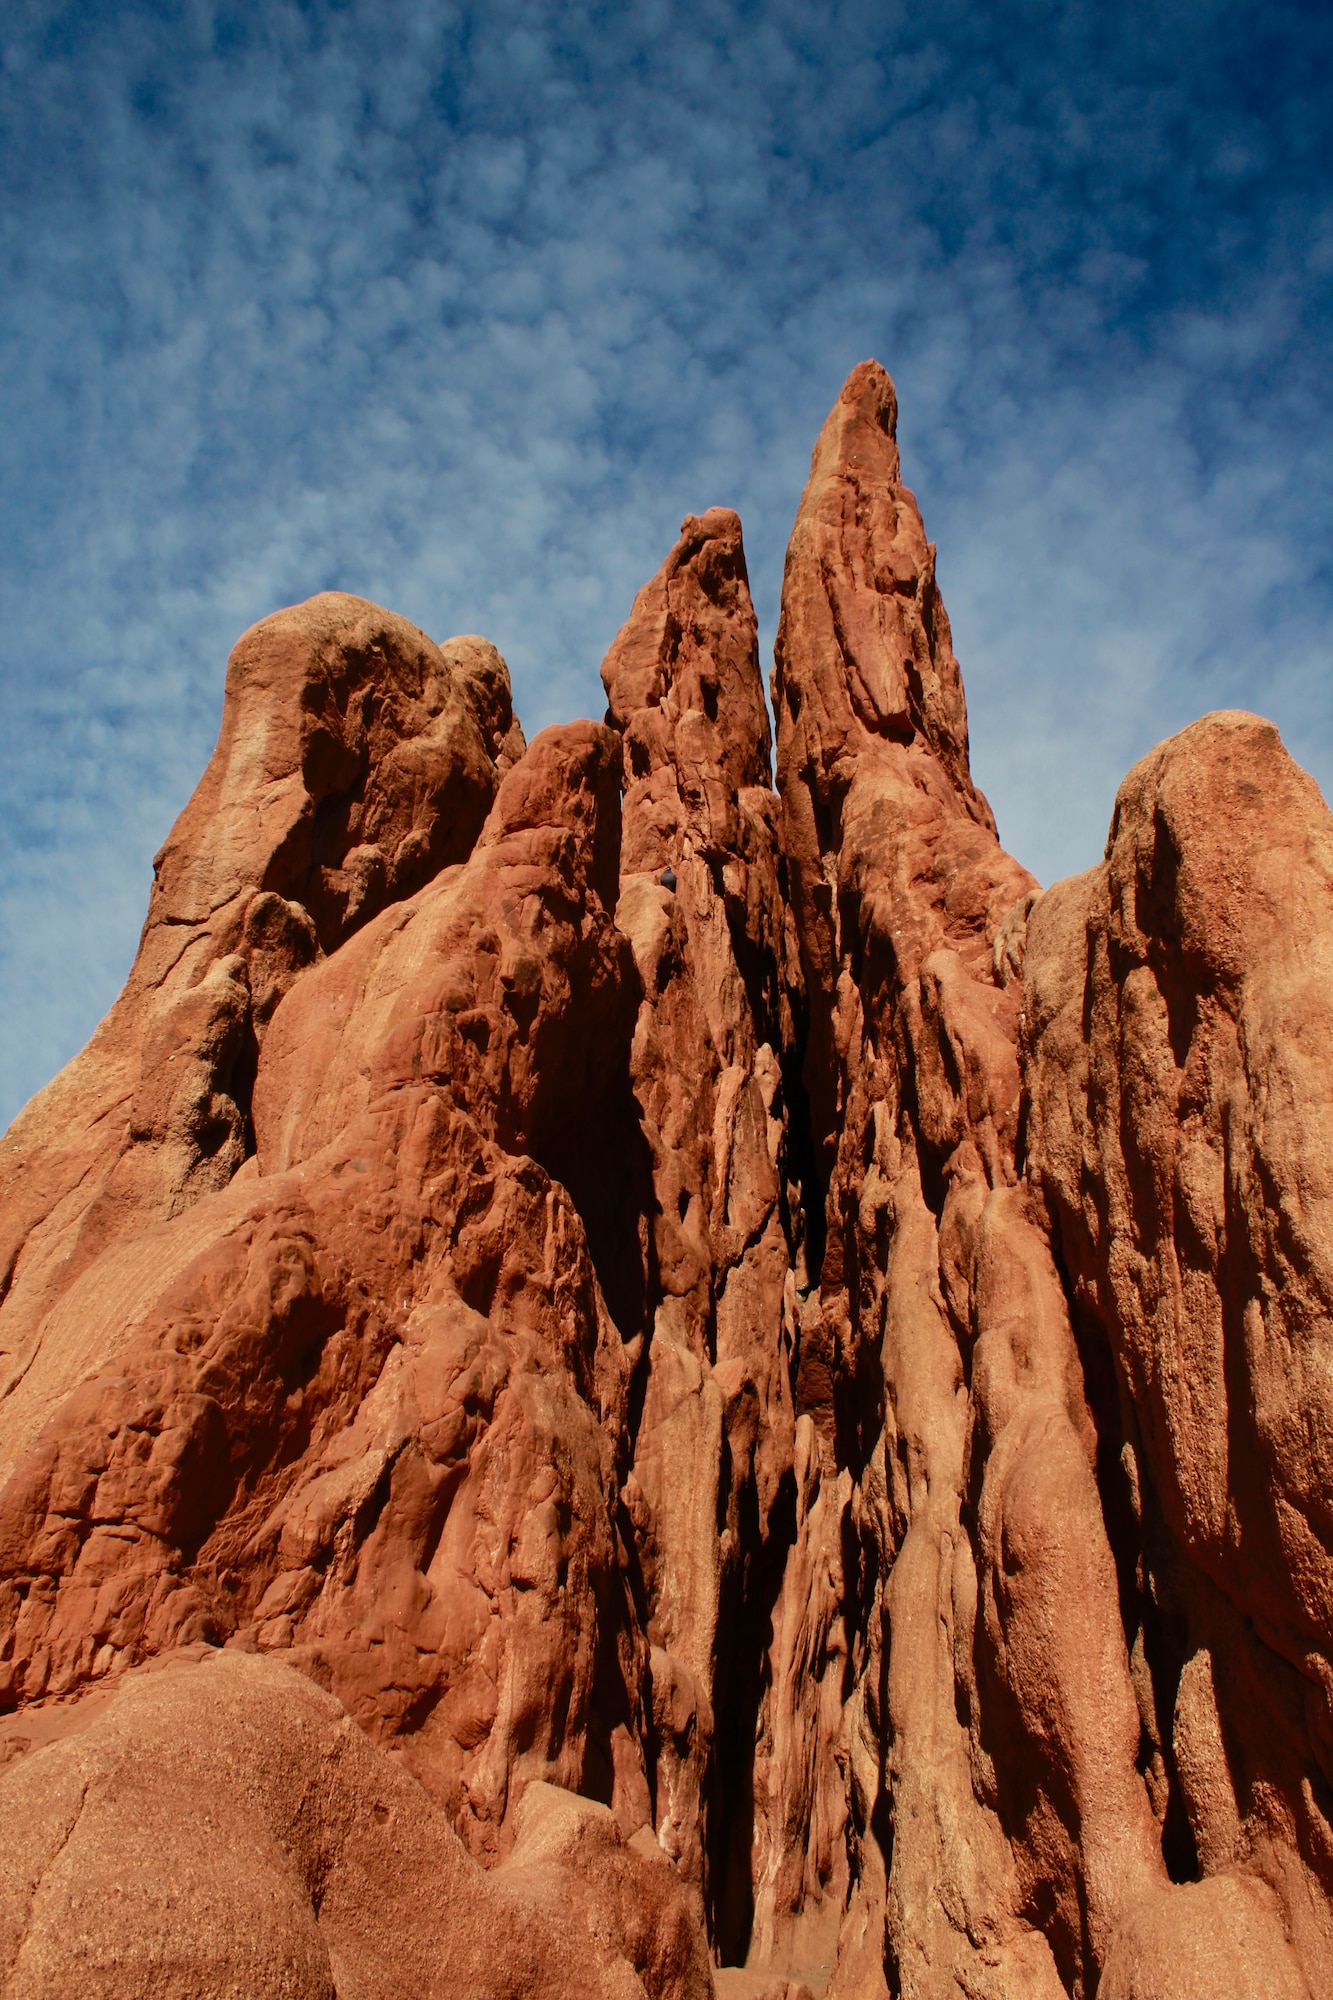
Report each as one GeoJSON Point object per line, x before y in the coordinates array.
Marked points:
{"type": "Point", "coordinates": [614, 1377]}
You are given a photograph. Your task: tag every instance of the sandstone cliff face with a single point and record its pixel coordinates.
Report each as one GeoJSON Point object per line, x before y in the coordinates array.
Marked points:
{"type": "Point", "coordinates": [1180, 1134]}
{"type": "Point", "coordinates": [610, 1372]}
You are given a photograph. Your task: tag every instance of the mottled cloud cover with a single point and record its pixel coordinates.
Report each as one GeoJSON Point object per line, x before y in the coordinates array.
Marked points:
{"type": "Point", "coordinates": [463, 307]}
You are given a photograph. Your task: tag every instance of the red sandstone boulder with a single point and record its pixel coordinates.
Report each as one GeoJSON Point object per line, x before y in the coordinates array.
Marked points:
{"type": "Point", "coordinates": [223, 1827]}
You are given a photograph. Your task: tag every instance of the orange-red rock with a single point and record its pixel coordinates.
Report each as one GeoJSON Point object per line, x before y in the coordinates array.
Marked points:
{"type": "Point", "coordinates": [702, 900]}
{"type": "Point", "coordinates": [222, 1827]}
{"type": "Point", "coordinates": [355, 759]}
{"type": "Point", "coordinates": [604, 1367]}
{"type": "Point", "coordinates": [1181, 1091]}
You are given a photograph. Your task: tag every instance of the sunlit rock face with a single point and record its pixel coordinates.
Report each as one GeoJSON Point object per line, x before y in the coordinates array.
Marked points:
{"type": "Point", "coordinates": [632, 1366]}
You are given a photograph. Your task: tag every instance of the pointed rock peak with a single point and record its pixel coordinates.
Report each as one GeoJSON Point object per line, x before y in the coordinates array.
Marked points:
{"type": "Point", "coordinates": [682, 676]}
{"type": "Point", "coordinates": [354, 761]}
{"type": "Point", "coordinates": [869, 390]}
{"type": "Point", "coordinates": [567, 782]}
{"type": "Point", "coordinates": [484, 679]}
{"type": "Point", "coordinates": [712, 544]}
{"type": "Point", "coordinates": [862, 427]}
{"type": "Point", "coordinates": [864, 650]}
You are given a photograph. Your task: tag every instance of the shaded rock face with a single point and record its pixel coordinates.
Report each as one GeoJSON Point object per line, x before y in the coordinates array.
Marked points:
{"type": "Point", "coordinates": [620, 1377]}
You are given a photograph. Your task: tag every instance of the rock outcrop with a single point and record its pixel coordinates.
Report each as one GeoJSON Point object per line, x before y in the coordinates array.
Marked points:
{"type": "Point", "coordinates": [355, 760]}
{"type": "Point", "coordinates": [618, 1377]}
{"type": "Point", "coordinates": [1180, 1093]}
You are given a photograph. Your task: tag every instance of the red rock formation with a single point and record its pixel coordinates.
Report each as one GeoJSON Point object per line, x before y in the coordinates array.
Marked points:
{"type": "Point", "coordinates": [1178, 1010]}
{"type": "Point", "coordinates": [355, 759]}
{"type": "Point", "coordinates": [375, 1372]}
{"type": "Point", "coordinates": [702, 901]}
{"type": "Point", "coordinates": [778, 1374]}
{"type": "Point", "coordinates": [902, 893]}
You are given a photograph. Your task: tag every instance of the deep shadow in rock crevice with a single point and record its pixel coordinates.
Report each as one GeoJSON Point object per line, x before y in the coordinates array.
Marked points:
{"type": "Point", "coordinates": [745, 1633]}
{"type": "Point", "coordinates": [602, 1158]}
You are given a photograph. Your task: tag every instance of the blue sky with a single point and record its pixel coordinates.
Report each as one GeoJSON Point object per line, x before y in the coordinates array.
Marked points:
{"type": "Point", "coordinates": [462, 308]}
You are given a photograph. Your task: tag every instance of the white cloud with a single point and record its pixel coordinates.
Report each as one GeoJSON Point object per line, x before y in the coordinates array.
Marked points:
{"type": "Point", "coordinates": [463, 310]}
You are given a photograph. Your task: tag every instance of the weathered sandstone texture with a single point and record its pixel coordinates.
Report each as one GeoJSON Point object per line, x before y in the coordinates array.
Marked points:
{"type": "Point", "coordinates": [618, 1379]}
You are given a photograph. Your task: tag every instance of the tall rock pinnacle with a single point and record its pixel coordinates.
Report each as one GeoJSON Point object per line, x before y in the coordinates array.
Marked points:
{"type": "Point", "coordinates": [702, 901]}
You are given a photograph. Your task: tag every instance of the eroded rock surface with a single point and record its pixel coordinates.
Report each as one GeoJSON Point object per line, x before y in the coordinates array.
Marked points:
{"type": "Point", "coordinates": [223, 1827]}
{"type": "Point", "coordinates": [1180, 1132]}
{"type": "Point", "coordinates": [355, 759]}
{"type": "Point", "coordinates": [702, 899]}
{"type": "Point", "coordinates": [617, 1378]}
